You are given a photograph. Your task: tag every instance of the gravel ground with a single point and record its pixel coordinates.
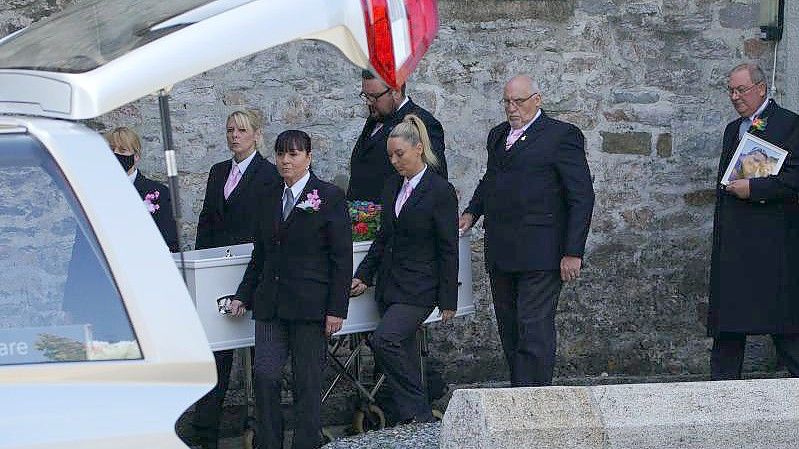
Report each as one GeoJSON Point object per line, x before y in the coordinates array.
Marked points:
{"type": "Point", "coordinates": [412, 436]}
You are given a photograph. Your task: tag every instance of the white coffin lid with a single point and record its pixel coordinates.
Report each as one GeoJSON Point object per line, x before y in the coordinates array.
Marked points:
{"type": "Point", "coordinates": [101, 54]}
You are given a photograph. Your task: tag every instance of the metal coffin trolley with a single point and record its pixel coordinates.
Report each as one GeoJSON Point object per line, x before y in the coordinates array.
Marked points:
{"type": "Point", "coordinates": [215, 273]}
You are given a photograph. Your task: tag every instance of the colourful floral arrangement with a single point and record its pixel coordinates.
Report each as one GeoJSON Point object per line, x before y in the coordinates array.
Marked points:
{"type": "Point", "coordinates": [365, 216]}
{"type": "Point", "coordinates": [151, 201]}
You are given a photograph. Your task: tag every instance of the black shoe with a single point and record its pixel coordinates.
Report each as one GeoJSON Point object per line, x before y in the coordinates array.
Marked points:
{"type": "Point", "coordinates": [417, 420]}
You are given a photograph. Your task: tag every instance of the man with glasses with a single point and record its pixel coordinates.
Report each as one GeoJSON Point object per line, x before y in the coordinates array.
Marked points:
{"type": "Point", "coordinates": [754, 286]}
{"type": "Point", "coordinates": [537, 198]}
{"type": "Point", "coordinates": [369, 164]}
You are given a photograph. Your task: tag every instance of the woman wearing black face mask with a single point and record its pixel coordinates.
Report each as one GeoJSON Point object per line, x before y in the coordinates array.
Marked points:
{"type": "Point", "coordinates": [127, 148]}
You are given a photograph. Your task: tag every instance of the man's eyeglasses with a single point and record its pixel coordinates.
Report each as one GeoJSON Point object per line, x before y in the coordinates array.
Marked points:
{"type": "Point", "coordinates": [515, 101]}
{"type": "Point", "coordinates": [740, 90]}
{"type": "Point", "coordinates": [371, 98]}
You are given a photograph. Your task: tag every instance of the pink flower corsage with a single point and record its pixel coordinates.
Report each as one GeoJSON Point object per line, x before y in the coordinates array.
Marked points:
{"type": "Point", "coordinates": [312, 202]}
{"type": "Point", "coordinates": [151, 201]}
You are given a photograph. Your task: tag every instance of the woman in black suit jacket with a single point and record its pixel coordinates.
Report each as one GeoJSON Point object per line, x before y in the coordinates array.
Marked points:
{"type": "Point", "coordinates": [414, 259]}
{"type": "Point", "coordinates": [230, 210]}
{"type": "Point", "coordinates": [126, 145]}
{"type": "Point", "coordinates": [297, 285]}
{"type": "Point", "coordinates": [228, 217]}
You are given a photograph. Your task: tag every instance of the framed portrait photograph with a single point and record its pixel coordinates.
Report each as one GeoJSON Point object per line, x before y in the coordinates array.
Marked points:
{"type": "Point", "coordinates": [754, 158]}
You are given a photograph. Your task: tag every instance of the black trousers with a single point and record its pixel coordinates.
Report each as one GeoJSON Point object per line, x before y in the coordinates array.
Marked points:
{"type": "Point", "coordinates": [727, 355]}
{"type": "Point", "coordinates": [208, 409]}
{"type": "Point", "coordinates": [525, 304]}
{"type": "Point", "coordinates": [308, 346]}
{"type": "Point", "coordinates": [395, 348]}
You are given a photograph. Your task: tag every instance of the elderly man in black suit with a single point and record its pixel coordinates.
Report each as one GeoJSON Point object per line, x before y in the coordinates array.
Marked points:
{"type": "Point", "coordinates": [369, 164]}
{"type": "Point", "coordinates": [537, 199]}
{"type": "Point", "coordinates": [232, 203]}
{"type": "Point", "coordinates": [754, 287]}
{"type": "Point", "coordinates": [297, 285]}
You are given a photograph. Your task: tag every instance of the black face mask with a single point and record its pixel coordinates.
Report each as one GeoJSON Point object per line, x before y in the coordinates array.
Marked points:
{"type": "Point", "coordinates": [126, 161]}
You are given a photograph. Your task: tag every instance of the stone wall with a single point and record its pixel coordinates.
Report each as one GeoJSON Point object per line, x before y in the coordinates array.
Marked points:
{"type": "Point", "coordinates": [790, 52]}
{"type": "Point", "coordinates": [37, 232]}
{"type": "Point", "coordinates": [645, 82]}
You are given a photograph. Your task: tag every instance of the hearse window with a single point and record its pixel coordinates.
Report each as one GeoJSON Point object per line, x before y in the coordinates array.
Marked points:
{"type": "Point", "coordinates": [58, 300]}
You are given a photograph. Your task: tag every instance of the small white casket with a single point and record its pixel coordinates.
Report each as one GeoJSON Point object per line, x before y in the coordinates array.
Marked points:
{"type": "Point", "coordinates": [216, 272]}
{"type": "Point", "coordinates": [362, 315]}
{"type": "Point", "coordinates": [211, 274]}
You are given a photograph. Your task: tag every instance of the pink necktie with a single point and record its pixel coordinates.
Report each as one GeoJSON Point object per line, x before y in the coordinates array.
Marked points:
{"type": "Point", "coordinates": [232, 180]}
{"type": "Point", "coordinates": [513, 137]}
{"type": "Point", "coordinates": [403, 196]}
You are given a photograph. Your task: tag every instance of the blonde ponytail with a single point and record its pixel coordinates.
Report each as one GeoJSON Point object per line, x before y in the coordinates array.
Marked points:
{"type": "Point", "coordinates": [413, 130]}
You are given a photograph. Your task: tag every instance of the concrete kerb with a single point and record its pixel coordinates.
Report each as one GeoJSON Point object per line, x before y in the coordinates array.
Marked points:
{"type": "Point", "coordinates": [750, 414]}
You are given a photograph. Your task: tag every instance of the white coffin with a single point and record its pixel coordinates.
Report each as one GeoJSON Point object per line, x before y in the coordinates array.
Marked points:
{"type": "Point", "coordinates": [216, 272]}
{"type": "Point", "coordinates": [362, 315]}
{"type": "Point", "coordinates": [212, 273]}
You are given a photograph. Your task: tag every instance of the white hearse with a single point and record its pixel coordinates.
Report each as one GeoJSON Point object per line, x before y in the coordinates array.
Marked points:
{"type": "Point", "coordinates": [100, 344]}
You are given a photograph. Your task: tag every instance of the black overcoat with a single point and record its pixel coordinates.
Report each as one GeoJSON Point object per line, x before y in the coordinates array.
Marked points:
{"type": "Point", "coordinates": [754, 280]}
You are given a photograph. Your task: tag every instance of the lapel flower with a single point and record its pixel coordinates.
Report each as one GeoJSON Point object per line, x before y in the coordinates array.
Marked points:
{"type": "Point", "coordinates": [312, 202]}
{"type": "Point", "coordinates": [759, 124]}
{"type": "Point", "coordinates": [151, 201]}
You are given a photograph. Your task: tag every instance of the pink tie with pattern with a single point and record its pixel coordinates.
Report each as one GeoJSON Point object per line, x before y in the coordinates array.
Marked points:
{"type": "Point", "coordinates": [232, 180]}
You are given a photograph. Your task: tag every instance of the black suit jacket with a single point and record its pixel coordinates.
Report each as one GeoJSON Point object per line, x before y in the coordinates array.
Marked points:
{"type": "Point", "coordinates": [232, 221]}
{"type": "Point", "coordinates": [301, 269]}
{"type": "Point", "coordinates": [754, 288]}
{"type": "Point", "coordinates": [537, 198]}
{"type": "Point", "coordinates": [369, 164]}
{"type": "Point", "coordinates": [163, 216]}
{"type": "Point", "coordinates": [415, 256]}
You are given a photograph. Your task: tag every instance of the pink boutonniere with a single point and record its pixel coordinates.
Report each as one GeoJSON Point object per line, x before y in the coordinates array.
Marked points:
{"type": "Point", "coordinates": [759, 124]}
{"type": "Point", "coordinates": [151, 201]}
{"type": "Point", "coordinates": [312, 202]}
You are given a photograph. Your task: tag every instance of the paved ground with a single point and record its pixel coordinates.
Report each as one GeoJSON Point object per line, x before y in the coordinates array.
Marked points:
{"type": "Point", "coordinates": [412, 436]}
{"type": "Point", "coordinates": [238, 443]}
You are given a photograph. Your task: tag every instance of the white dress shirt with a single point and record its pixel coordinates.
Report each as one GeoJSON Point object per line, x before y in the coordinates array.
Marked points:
{"type": "Point", "coordinates": [297, 188]}
{"type": "Point", "coordinates": [243, 164]}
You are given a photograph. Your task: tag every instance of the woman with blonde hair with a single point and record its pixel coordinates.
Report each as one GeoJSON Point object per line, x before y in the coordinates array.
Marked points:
{"type": "Point", "coordinates": [232, 203]}
{"type": "Point", "coordinates": [413, 262]}
{"type": "Point", "coordinates": [126, 145]}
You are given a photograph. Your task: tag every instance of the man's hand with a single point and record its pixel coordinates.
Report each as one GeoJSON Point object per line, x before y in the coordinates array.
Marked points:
{"type": "Point", "coordinates": [357, 287]}
{"type": "Point", "coordinates": [237, 308]}
{"type": "Point", "coordinates": [570, 268]}
{"type": "Point", "coordinates": [465, 222]}
{"type": "Point", "coordinates": [332, 324]}
{"type": "Point", "coordinates": [739, 188]}
{"type": "Point", "coordinates": [446, 315]}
